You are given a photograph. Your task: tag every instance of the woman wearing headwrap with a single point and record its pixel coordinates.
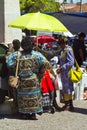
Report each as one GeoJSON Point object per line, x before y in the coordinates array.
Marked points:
{"type": "Point", "coordinates": [66, 61]}
{"type": "Point", "coordinates": [32, 66]}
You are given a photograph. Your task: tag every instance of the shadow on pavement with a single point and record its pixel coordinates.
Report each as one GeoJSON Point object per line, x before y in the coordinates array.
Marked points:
{"type": "Point", "coordinates": [14, 116]}
{"type": "Point", "coordinates": [17, 116]}
{"type": "Point", "coordinates": [80, 110]}
{"type": "Point", "coordinates": [10, 116]}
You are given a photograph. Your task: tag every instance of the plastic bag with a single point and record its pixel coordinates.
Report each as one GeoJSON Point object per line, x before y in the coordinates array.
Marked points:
{"type": "Point", "coordinates": [58, 82]}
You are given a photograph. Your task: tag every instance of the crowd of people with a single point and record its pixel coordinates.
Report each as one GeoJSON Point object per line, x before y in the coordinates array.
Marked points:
{"type": "Point", "coordinates": [36, 92]}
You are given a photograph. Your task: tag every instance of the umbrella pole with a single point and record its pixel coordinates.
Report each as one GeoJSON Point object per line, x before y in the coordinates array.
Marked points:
{"type": "Point", "coordinates": [37, 40]}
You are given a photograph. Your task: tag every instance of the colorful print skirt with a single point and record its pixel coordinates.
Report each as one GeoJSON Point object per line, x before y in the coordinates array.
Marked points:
{"type": "Point", "coordinates": [29, 95]}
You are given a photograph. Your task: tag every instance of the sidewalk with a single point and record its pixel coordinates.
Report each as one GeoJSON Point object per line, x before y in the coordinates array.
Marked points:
{"type": "Point", "coordinates": [58, 121]}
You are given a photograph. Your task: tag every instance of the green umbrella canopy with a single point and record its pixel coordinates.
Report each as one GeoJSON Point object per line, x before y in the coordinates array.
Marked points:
{"type": "Point", "coordinates": [38, 21]}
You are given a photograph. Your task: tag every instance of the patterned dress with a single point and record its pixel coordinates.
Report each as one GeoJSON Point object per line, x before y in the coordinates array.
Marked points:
{"type": "Point", "coordinates": [66, 62]}
{"type": "Point", "coordinates": [31, 69]}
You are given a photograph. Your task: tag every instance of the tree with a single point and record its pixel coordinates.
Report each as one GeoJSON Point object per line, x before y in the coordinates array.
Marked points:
{"type": "Point", "coordinates": [39, 5]}
{"type": "Point", "coordinates": [25, 5]}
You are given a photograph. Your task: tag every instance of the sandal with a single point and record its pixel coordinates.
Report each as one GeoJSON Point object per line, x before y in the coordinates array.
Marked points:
{"type": "Point", "coordinates": [33, 117]}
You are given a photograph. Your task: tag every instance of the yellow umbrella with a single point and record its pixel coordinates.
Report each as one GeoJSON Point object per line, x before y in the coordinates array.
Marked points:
{"type": "Point", "coordinates": [38, 21]}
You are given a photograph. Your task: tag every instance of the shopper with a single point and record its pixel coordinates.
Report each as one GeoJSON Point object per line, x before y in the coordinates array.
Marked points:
{"type": "Point", "coordinates": [66, 61]}
{"type": "Point", "coordinates": [32, 66]}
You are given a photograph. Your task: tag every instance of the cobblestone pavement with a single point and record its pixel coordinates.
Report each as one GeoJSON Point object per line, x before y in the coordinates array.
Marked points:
{"type": "Point", "coordinates": [58, 121]}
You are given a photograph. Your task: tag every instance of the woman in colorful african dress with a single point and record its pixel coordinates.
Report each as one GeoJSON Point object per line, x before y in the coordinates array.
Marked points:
{"type": "Point", "coordinates": [32, 65]}
{"type": "Point", "coordinates": [66, 61]}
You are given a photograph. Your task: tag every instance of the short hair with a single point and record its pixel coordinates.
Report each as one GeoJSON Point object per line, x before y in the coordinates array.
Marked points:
{"type": "Point", "coordinates": [16, 44]}
{"type": "Point", "coordinates": [82, 34]}
{"type": "Point", "coordinates": [27, 43]}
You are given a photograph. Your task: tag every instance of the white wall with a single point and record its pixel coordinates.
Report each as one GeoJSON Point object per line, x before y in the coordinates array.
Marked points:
{"type": "Point", "coordinates": [9, 10]}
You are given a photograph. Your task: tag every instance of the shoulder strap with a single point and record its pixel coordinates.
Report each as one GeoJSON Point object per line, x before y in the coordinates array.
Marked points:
{"type": "Point", "coordinates": [77, 65]}
{"type": "Point", "coordinates": [17, 64]}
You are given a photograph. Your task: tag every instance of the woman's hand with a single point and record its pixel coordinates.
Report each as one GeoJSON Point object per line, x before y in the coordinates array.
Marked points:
{"type": "Point", "coordinates": [58, 70]}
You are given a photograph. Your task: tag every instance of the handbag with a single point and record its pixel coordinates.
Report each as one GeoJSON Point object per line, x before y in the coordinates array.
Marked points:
{"type": "Point", "coordinates": [75, 74]}
{"type": "Point", "coordinates": [13, 81]}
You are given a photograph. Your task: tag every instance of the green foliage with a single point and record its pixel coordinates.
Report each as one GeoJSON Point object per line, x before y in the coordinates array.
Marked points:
{"type": "Point", "coordinates": [51, 7]}
{"type": "Point", "coordinates": [25, 5]}
{"type": "Point", "coordinates": [39, 5]}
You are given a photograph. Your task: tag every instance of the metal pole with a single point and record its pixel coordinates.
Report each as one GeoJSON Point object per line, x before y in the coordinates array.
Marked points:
{"type": "Point", "coordinates": [80, 5]}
